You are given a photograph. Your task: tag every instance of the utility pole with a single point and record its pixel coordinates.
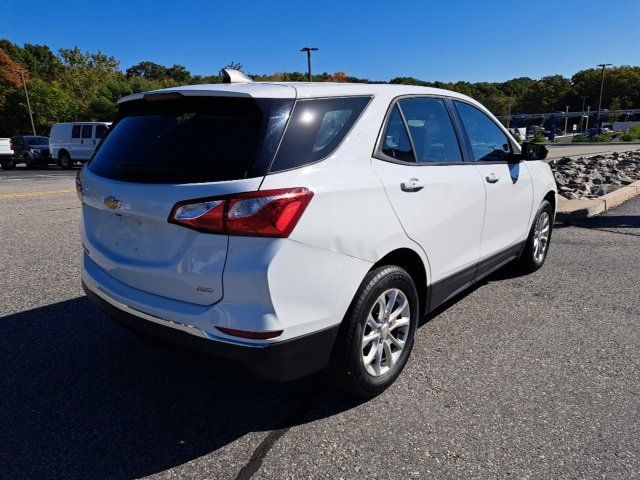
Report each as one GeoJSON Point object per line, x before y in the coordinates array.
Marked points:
{"type": "Point", "coordinates": [584, 98]}
{"type": "Point", "coordinates": [587, 124]}
{"type": "Point", "coordinates": [509, 117]}
{"type": "Point", "coordinates": [566, 119]}
{"type": "Point", "coordinates": [603, 66]}
{"type": "Point", "coordinates": [309, 50]}
{"type": "Point", "coordinates": [26, 94]}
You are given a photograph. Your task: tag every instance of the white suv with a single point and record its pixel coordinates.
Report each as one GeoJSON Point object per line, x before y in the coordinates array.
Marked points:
{"type": "Point", "coordinates": [296, 226]}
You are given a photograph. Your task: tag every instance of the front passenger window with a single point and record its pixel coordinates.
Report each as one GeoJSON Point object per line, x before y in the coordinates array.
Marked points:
{"type": "Point", "coordinates": [488, 141]}
{"type": "Point", "coordinates": [100, 131]}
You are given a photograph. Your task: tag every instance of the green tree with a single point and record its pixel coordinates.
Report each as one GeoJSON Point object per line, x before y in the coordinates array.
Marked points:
{"type": "Point", "coordinates": [148, 70]}
{"type": "Point", "coordinates": [50, 103]}
{"type": "Point", "coordinates": [614, 110]}
{"type": "Point", "coordinates": [549, 94]}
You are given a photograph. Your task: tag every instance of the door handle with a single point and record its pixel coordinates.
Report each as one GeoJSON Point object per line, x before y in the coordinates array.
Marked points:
{"type": "Point", "coordinates": [411, 185]}
{"type": "Point", "coordinates": [492, 178]}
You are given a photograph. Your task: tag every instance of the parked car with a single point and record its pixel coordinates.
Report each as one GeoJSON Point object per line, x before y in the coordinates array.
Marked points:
{"type": "Point", "coordinates": [75, 142]}
{"type": "Point", "coordinates": [295, 227]}
{"type": "Point", "coordinates": [31, 150]}
{"type": "Point", "coordinates": [534, 130]}
{"type": "Point", "coordinates": [6, 154]}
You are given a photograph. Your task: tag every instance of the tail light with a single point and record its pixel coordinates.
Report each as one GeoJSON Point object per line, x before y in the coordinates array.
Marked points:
{"type": "Point", "coordinates": [11, 144]}
{"type": "Point", "coordinates": [268, 213]}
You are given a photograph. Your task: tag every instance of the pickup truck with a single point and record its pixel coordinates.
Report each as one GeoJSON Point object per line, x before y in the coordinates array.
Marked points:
{"type": "Point", "coordinates": [6, 154]}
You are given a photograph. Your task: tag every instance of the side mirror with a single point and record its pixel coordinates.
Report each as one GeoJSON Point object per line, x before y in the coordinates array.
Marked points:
{"type": "Point", "coordinates": [534, 151]}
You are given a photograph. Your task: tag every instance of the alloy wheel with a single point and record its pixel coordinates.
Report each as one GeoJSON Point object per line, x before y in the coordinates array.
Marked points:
{"type": "Point", "coordinates": [385, 332]}
{"type": "Point", "coordinates": [541, 237]}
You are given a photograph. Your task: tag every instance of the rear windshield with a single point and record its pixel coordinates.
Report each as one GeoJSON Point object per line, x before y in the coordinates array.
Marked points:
{"type": "Point", "coordinates": [192, 140]}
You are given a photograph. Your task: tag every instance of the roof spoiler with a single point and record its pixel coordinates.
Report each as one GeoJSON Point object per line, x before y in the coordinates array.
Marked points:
{"type": "Point", "coordinates": [234, 76]}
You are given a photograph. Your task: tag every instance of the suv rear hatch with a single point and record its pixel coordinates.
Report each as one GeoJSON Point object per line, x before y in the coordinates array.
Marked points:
{"type": "Point", "coordinates": [166, 148]}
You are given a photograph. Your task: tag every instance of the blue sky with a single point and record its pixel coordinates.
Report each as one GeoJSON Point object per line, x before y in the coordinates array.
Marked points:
{"type": "Point", "coordinates": [473, 40]}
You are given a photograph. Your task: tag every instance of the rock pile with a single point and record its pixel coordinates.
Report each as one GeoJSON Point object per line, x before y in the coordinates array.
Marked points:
{"type": "Point", "coordinates": [592, 177]}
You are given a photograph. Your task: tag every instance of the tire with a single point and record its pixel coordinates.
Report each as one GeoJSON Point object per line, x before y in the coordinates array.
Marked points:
{"type": "Point", "coordinates": [28, 162]}
{"type": "Point", "coordinates": [64, 160]}
{"type": "Point", "coordinates": [349, 369]}
{"type": "Point", "coordinates": [532, 258]}
{"type": "Point", "coordinates": [8, 165]}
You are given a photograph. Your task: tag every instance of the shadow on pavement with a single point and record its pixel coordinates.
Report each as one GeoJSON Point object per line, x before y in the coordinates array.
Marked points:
{"type": "Point", "coordinates": [83, 398]}
{"type": "Point", "coordinates": [506, 272]}
{"type": "Point", "coordinates": [605, 221]}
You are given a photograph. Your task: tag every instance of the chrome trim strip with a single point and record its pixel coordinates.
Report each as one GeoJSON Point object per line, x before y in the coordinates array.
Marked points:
{"type": "Point", "coordinates": [190, 329]}
{"type": "Point", "coordinates": [166, 323]}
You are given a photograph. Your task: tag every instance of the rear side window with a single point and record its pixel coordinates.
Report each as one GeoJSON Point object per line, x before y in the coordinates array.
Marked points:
{"type": "Point", "coordinates": [434, 138]}
{"type": "Point", "coordinates": [395, 142]}
{"type": "Point", "coordinates": [316, 128]}
{"type": "Point", "coordinates": [75, 131]}
{"type": "Point", "coordinates": [192, 140]}
{"type": "Point", "coordinates": [488, 141]}
{"type": "Point", "coordinates": [100, 131]}
{"type": "Point", "coordinates": [86, 131]}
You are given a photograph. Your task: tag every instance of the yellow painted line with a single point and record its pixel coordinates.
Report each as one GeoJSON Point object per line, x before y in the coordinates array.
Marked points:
{"type": "Point", "coordinates": [36, 194]}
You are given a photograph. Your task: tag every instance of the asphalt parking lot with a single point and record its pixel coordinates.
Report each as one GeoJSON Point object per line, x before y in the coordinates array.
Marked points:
{"type": "Point", "coordinates": [522, 377]}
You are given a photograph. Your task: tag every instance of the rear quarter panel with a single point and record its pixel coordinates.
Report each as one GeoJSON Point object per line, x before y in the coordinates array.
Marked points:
{"type": "Point", "coordinates": [349, 215]}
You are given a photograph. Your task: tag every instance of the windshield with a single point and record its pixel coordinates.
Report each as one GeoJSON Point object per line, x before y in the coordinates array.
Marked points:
{"type": "Point", "coordinates": [36, 140]}
{"type": "Point", "coordinates": [192, 140]}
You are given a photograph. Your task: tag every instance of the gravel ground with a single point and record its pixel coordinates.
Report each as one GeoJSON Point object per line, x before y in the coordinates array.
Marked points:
{"type": "Point", "coordinates": [522, 377]}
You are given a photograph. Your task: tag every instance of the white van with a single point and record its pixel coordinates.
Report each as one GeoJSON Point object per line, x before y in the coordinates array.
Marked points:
{"type": "Point", "coordinates": [75, 141]}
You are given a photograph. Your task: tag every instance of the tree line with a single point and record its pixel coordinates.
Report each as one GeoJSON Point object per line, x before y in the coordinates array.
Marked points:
{"type": "Point", "coordinates": [75, 85]}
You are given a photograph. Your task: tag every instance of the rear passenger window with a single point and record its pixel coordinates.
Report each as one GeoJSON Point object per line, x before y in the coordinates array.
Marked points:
{"type": "Point", "coordinates": [316, 128]}
{"type": "Point", "coordinates": [434, 138]}
{"type": "Point", "coordinates": [395, 142]}
{"type": "Point", "coordinates": [100, 130]}
{"type": "Point", "coordinates": [86, 131]}
{"type": "Point", "coordinates": [75, 131]}
{"type": "Point", "coordinates": [488, 141]}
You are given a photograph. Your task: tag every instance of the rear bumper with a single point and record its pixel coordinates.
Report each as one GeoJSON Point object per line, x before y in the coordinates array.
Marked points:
{"type": "Point", "coordinates": [278, 361]}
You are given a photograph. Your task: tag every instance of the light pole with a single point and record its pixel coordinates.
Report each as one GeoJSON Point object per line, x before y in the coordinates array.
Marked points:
{"type": "Point", "coordinates": [26, 94]}
{"type": "Point", "coordinates": [603, 66]}
{"type": "Point", "coordinates": [309, 50]}
{"type": "Point", "coordinates": [566, 120]}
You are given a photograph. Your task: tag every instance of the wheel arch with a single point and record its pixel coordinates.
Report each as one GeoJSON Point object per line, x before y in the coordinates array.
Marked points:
{"type": "Point", "coordinates": [63, 151]}
{"type": "Point", "coordinates": [412, 262]}
{"type": "Point", "coordinates": [551, 198]}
